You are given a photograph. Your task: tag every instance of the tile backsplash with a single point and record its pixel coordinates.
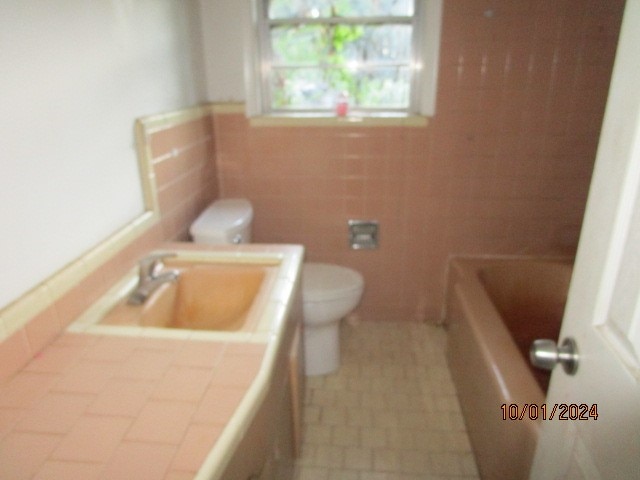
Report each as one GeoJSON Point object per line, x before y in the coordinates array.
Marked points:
{"type": "Point", "coordinates": [183, 156]}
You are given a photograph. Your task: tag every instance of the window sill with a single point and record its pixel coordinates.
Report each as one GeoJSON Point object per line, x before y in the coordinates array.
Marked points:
{"type": "Point", "coordinates": [333, 121]}
{"type": "Point", "coordinates": [302, 120]}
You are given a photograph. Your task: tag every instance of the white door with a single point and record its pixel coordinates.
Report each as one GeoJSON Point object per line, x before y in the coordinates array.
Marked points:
{"type": "Point", "coordinates": [603, 308]}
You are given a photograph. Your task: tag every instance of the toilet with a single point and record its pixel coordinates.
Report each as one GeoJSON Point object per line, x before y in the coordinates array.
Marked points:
{"type": "Point", "coordinates": [329, 292]}
{"type": "Point", "coordinates": [224, 221]}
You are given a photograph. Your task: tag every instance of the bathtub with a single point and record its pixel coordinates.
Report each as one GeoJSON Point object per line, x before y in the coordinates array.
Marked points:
{"type": "Point", "coordinates": [495, 308]}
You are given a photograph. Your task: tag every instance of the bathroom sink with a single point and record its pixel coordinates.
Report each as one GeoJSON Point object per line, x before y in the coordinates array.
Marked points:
{"type": "Point", "coordinates": [215, 297]}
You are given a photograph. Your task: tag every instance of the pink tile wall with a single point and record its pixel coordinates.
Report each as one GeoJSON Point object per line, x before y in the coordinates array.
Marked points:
{"type": "Point", "coordinates": [503, 167]}
{"type": "Point", "coordinates": [184, 164]}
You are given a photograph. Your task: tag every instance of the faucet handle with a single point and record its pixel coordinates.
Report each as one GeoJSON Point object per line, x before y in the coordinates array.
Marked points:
{"type": "Point", "coordinates": [150, 263]}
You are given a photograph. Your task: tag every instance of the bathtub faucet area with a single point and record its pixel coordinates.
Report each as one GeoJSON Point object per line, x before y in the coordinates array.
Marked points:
{"type": "Point", "coordinates": [151, 276]}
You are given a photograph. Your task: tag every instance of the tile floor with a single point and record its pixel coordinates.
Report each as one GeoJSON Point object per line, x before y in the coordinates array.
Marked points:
{"type": "Point", "coordinates": [390, 412]}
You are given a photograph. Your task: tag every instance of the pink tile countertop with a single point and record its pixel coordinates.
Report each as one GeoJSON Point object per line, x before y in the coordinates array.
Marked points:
{"type": "Point", "coordinates": [98, 406]}
{"type": "Point", "coordinates": [93, 406]}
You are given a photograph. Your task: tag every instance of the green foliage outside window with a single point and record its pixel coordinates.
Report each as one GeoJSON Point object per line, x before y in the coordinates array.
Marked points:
{"type": "Point", "coordinates": [313, 62]}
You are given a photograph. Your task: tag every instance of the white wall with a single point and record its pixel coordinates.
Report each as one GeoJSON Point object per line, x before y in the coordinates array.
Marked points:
{"type": "Point", "coordinates": [223, 27]}
{"type": "Point", "coordinates": [74, 76]}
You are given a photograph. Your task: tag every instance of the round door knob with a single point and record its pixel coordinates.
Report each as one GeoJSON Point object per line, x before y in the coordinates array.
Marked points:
{"type": "Point", "coordinates": [546, 354]}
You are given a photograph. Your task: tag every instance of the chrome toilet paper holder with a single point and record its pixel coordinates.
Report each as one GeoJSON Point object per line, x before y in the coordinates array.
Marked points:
{"type": "Point", "coordinates": [363, 234]}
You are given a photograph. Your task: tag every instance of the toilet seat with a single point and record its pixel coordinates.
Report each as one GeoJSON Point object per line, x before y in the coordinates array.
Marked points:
{"type": "Point", "coordinates": [322, 282]}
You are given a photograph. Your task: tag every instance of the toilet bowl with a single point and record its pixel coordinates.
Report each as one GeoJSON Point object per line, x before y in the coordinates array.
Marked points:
{"type": "Point", "coordinates": [329, 292]}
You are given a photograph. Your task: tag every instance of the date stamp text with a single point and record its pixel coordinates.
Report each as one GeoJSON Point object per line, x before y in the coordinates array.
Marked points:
{"type": "Point", "coordinates": [557, 411]}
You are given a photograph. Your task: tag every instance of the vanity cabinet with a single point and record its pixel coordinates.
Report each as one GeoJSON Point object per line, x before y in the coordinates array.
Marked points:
{"type": "Point", "coordinates": [268, 448]}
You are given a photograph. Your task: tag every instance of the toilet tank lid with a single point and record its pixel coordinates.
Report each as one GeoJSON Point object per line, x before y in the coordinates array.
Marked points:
{"type": "Point", "coordinates": [222, 215]}
{"type": "Point", "coordinates": [323, 281]}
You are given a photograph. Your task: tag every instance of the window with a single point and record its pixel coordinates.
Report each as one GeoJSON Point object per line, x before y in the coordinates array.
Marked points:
{"type": "Point", "coordinates": [324, 57]}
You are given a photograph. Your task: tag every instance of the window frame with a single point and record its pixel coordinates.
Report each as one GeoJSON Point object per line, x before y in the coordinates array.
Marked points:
{"type": "Point", "coordinates": [426, 23]}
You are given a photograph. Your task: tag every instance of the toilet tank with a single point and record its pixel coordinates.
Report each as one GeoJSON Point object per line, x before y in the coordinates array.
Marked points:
{"type": "Point", "coordinates": [224, 221]}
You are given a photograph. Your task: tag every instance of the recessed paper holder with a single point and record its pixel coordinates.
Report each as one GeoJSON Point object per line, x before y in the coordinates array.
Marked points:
{"type": "Point", "coordinates": [363, 234]}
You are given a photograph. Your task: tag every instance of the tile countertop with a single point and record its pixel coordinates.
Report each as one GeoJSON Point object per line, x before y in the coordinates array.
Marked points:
{"type": "Point", "coordinates": [97, 406]}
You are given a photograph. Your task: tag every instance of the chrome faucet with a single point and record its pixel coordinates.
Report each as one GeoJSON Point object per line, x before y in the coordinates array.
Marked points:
{"type": "Point", "coordinates": [151, 277]}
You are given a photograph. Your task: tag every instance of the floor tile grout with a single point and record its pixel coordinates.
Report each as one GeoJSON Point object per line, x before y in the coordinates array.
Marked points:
{"type": "Point", "coordinates": [389, 413]}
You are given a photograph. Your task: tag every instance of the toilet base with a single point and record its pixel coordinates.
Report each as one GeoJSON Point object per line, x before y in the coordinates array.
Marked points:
{"type": "Point", "coordinates": [321, 349]}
